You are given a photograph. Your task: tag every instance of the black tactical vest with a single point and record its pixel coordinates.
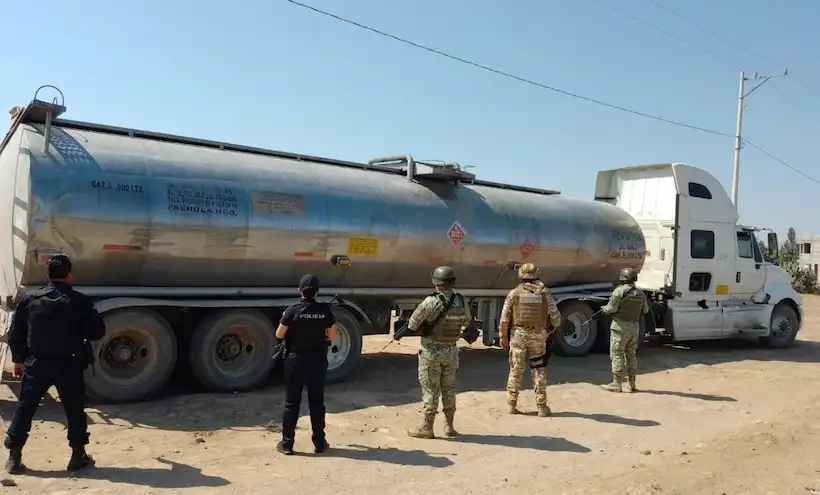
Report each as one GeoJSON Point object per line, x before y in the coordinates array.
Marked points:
{"type": "Point", "coordinates": [307, 333]}
{"type": "Point", "coordinates": [54, 330]}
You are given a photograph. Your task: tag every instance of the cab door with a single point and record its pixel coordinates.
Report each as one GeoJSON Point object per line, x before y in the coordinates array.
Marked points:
{"type": "Point", "coordinates": [750, 275]}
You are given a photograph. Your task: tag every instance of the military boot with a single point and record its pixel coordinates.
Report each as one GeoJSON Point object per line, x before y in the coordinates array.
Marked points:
{"type": "Point", "coordinates": [449, 429]}
{"type": "Point", "coordinates": [426, 428]}
{"type": "Point", "coordinates": [79, 459]}
{"type": "Point", "coordinates": [615, 386]}
{"type": "Point", "coordinates": [544, 411]}
{"type": "Point", "coordinates": [632, 387]}
{"type": "Point", "coordinates": [512, 409]}
{"type": "Point", "coordinates": [14, 464]}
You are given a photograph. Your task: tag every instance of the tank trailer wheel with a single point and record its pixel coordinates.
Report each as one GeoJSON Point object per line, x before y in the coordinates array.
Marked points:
{"type": "Point", "coordinates": [346, 348]}
{"type": "Point", "coordinates": [231, 350]}
{"type": "Point", "coordinates": [574, 339]}
{"type": "Point", "coordinates": [134, 359]}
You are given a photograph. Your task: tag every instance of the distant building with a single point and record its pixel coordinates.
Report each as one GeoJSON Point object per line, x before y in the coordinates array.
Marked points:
{"type": "Point", "coordinates": [808, 245]}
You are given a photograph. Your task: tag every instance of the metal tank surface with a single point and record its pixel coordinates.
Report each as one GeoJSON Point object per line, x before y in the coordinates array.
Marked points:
{"type": "Point", "coordinates": [140, 209]}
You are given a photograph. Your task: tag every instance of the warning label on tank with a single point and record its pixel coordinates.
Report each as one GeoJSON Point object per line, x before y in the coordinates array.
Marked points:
{"type": "Point", "coordinates": [273, 202]}
{"type": "Point", "coordinates": [363, 246]}
{"type": "Point", "coordinates": [212, 200]}
{"type": "Point", "coordinates": [456, 234]}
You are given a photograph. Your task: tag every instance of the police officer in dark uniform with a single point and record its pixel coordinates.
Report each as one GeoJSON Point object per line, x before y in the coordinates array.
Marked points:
{"type": "Point", "coordinates": [50, 337]}
{"type": "Point", "coordinates": [306, 327]}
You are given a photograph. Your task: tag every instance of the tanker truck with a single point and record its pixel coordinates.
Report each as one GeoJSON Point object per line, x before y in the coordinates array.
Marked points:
{"type": "Point", "coordinates": [191, 249]}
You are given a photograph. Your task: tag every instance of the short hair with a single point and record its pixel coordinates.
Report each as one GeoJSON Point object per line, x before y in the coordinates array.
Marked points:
{"type": "Point", "coordinates": [58, 267]}
{"type": "Point", "coordinates": [309, 285]}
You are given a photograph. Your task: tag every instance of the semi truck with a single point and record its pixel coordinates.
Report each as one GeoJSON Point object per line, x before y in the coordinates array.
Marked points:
{"type": "Point", "coordinates": [191, 249]}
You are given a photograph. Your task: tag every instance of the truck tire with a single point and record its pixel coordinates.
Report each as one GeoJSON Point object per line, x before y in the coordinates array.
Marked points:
{"type": "Point", "coordinates": [231, 350]}
{"type": "Point", "coordinates": [782, 327]}
{"type": "Point", "coordinates": [346, 348]}
{"type": "Point", "coordinates": [135, 358]}
{"type": "Point", "coordinates": [574, 339]}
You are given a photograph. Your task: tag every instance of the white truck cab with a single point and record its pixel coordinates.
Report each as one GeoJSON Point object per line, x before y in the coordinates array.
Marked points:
{"type": "Point", "coordinates": [704, 273]}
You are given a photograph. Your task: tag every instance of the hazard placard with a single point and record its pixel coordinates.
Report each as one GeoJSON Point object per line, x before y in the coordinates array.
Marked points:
{"type": "Point", "coordinates": [526, 249]}
{"type": "Point", "coordinates": [456, 234]}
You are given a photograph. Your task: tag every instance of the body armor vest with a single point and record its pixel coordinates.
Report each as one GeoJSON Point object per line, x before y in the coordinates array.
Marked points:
{"type": "Point", "coordinates": [448, 329]}
{"type": "Point", "coordinates": [530, 310]}
{"type": "Point", "coordinates": [53, 326]}
{"type": "Point", "coordinates": [631, 307]}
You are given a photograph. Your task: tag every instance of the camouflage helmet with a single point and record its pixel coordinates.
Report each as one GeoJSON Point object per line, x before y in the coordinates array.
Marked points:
{"type": "Point", "coordinates": [528, 271]}
{"type": "Point", "coordinates": [628, 275]}
{"type": "Point", "coordinates": [444, 275]}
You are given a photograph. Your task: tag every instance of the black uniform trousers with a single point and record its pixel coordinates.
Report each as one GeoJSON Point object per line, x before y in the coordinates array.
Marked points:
{"type": "Point", "coordinates": [38, 377]}
{"type": "Point", "coordinates": [304, 369]}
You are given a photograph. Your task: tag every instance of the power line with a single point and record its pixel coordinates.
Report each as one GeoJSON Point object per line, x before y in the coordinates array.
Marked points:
{"type": "Point", "coordinates": [707, 30]}
{"type": "Point", "coordinates": [509, 75]}
{"type": "Point", "coordinates": [781, 161]}
{"type": "Point", "coordinates": [663, 31]}
{"type": "Point", "coordinates": [724, 59]}
{"type": "Point", "coordinates": [730, 41]}
{"type": "Point", "coordinates": [547, 87]}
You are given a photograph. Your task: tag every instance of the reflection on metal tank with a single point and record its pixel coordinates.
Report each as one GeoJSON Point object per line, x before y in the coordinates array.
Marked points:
{"type": "Point", "coordinates": [134, 211]}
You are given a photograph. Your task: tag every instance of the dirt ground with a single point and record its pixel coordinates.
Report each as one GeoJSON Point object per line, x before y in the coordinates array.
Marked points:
{"type": "Point", "coordinates": [725, 418]}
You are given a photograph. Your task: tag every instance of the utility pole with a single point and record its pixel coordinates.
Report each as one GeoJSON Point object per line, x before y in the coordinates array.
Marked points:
{"type": "Point", "coordinates": [741, 97]}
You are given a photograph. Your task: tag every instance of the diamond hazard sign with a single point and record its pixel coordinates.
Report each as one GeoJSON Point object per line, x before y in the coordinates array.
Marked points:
{"type": "Point", "coordinates": [526, 249]}
{"type": "Point", "coordinates": [456, 234]}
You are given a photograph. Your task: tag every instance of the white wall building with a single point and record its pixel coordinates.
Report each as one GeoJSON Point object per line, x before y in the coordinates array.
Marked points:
{"type": "Point", "coordinates": [808, 245]}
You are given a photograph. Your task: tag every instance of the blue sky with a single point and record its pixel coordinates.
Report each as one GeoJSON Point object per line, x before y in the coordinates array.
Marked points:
{"type": "Point", "coordinates": [271, 74]}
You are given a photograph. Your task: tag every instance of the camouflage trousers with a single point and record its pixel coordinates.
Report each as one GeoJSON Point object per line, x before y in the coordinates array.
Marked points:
{"type": "Point", "coordinates": [438, 363]}
{"type": "Point", "coordinates": [623, 346]}
{"type": "Point", "coordinates": [526, 344]}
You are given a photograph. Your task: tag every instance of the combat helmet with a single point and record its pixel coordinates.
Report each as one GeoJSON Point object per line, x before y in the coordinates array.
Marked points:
{"type": "Point", "coordinates": [628, 275]}
{"type": "Point", "coordinates": [528, 271]}
{"type": "Point", "coordinates": [444, 275]}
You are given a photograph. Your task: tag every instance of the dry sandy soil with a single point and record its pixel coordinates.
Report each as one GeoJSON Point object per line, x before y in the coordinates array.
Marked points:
{"type": "Point", "coordinates": [726, 418]}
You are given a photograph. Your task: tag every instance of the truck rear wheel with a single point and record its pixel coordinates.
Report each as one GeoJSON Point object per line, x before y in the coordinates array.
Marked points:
{"type": "Point", "coordinates": [232, 350]}
{"type": "Point", "coordinates": [134, 359]}
{"type": "Point", "coordinates": [577, 333]}
{"type": "Point", "coordinates": [346, 348]}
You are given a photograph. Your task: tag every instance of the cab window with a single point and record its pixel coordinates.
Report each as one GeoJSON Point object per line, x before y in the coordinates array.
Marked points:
{"type": "Point", "coordinates": [744, 245]}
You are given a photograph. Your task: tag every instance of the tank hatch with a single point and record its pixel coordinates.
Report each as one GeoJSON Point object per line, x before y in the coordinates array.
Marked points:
{"type": "Point", "coordinates": [448, 171]}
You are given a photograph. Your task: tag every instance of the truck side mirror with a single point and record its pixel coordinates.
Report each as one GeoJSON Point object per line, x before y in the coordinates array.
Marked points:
{"type": "Point", "coordinates": [774, 247]}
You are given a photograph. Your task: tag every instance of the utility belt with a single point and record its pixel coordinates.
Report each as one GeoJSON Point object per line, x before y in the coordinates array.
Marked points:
{"type": "Point", "coordinates": [543, 360]}
{"type": "Point", "coordinates": [308, 350]}
{"type": "Point", "coordinates": [531, 328]}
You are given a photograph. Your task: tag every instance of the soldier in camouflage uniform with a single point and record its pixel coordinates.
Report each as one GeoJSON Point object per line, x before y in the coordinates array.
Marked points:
{"type": "Point", "coordinates": [529, 314]}
{"type": "Point", "coordinates": [440, 319]}
{"type": "Point", "coordinates": [627, 305]}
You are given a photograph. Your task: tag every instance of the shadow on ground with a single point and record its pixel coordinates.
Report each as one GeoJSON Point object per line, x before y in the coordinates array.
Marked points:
{"type": "Point", "coordinates": [389, 455]}
{"type": "Point", "coordinates": [184, 409]}
{"type": "Point", "coordinates": [546, 444]}
{"type": "Point", "coordinates": [177, 476]}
